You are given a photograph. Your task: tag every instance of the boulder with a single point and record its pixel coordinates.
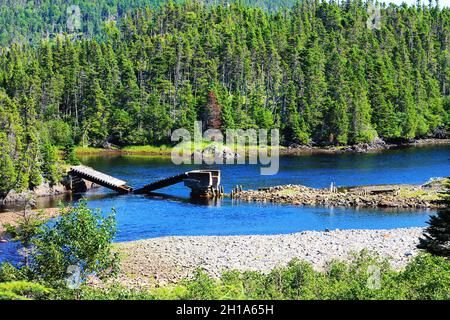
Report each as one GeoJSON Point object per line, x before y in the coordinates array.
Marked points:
{"type": "Point", "coordinates": [109, 146]}
{"type": "Point", "coordinates": [215, 151]}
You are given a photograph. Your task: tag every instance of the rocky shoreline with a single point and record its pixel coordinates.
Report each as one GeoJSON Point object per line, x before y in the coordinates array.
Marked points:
{"type": "Point", "coordinates": [385, 196]}
{"type": "Point", "coordinates": [47, 190]}
{"type": "Point", "coordinates": [377, 146]}
{"type": "Point", "coordinates": [162, 261]}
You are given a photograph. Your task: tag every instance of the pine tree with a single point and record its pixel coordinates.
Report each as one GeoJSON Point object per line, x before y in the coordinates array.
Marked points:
{"type": "Point", "coordinates": [437, 236]}
{"type": "Point", "coordinates": [49, 162]}
{"type": "Point", "coordinates": [69, 154]}
{"type": "Point", "coordinates": [212, 112]}
{"type": "Point", "coordinates": [381, 92]}
{"type": "Point", "coordinates": [361, 127]}
{"type": "Point", "coordinates": [336, 124]}
{"type": "Point", "coordinates": [293, 127]}
{"type": "Point", "coordinates": [315, 89]}
{"type": "Point", "coordinates": [95, 114]}
{"type": "Point", "coordinates": [7, 170]}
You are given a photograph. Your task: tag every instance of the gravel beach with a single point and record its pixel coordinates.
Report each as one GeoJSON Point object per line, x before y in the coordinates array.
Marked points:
{"type": "Point", "coordinates": [163, 261]}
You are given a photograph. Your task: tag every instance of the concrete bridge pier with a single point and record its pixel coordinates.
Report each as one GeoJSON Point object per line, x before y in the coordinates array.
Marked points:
{"type": "Point", "coordinates": [204, 183]}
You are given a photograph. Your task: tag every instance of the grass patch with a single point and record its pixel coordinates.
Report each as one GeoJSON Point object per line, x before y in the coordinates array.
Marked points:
{"type": "Point", "coordinates": [428, 195]}
{"type": "Point", "coordinates": [167, 149]}
{"type": "Point", "coordinates": [89, 150]}
{"type": "Point", "coordinates": [163, 149]}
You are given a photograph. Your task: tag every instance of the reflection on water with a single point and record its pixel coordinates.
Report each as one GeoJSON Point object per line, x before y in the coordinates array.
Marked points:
{"type": "Point", "coordinates": [60, 200]}
{"type": "Point", "coordinates": [200, 201]}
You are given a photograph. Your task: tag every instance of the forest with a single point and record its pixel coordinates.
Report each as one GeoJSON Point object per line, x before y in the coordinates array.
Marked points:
{"type": "Point", "coordinates": [29, 21]}
{"type": "Point", "coordinates": [319, 71]}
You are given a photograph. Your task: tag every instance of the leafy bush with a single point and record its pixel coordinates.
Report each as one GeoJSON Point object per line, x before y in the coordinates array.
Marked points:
{"type": "Point", "coordinates": [9, 273]}
{"type": "Point", "coordinates": [28, 227]}
{"type": "Point", "coordinates": [81, 237]}
{"type": "Point", "coordinates": [426, 278]}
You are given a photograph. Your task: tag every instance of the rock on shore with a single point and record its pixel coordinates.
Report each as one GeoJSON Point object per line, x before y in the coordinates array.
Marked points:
{"type": "Point", "coordinates": [377, 145]}
{"type": "Point", "coordinates": [163, 261]}
{"type": "Point", "coordinates": [44, 190]}
{"type": "Point", "coordinates": [47, 190]}
{"type": "Point", "coordinates": [215, 152]}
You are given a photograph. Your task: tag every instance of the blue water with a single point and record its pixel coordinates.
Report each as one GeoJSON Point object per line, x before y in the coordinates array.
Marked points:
{"type": "Point", "coordinates": [173, 214]}
{"type": "Point", "coordinates": [412, 165]}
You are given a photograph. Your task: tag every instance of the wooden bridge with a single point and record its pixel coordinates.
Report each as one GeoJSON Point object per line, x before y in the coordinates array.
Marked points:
{"type": "Point", "coordinates": [201, 182]}
{"type": "Point", "coordinates": [99, 178]}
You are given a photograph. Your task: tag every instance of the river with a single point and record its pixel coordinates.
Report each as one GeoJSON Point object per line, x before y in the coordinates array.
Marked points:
{"type": "Point", "coordinates": [174, 214]}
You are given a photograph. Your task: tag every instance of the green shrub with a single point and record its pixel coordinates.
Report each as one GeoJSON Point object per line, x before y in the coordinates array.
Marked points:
{"type": "Point", "coordinates": [22, 290]}
{"type": "Point", "coordinates": [27, 228]}
{"type": "Point", "coordinates": [9, 273]}
{"type": "Point", "coordinates": [425, 277]}
{"type": "Point", "coordinates": [81, 237]}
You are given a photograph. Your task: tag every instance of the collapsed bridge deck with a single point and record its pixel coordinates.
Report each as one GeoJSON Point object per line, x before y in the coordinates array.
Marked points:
{"type": "Point", "coordinates": [100, 178]}
{"type": "Point", "coordinates": [163, 183]}
{"type": "Point", "coordinates": [201, 182]}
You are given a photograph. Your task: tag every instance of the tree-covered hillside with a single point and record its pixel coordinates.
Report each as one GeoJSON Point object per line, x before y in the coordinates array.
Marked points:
{"type": "Point", "coordinates": [316, 71]}
{"type": "Point", "coordinates": [30, 21]}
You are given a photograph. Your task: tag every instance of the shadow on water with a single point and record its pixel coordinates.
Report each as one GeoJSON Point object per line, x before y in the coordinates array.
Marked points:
{"type": "Point", "coordinates": [200, 201]}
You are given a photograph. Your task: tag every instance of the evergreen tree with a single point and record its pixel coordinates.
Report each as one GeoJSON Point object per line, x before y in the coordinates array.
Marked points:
{"type": "Point", "coordinates": [361, 128]}
{"type": "Point", "coordinates": [95, 129]}
{"type": "Point", "coordinates": [69, 154]}
{"type": "Point", "coordinates": [437, 236]}
{"type": "Point", "coordinates": [314, 107]}
{"type": "Point", "coordinates": [7, 170]}
{"type": "Point", "coordinates": [49, 162]}
{"type": "Point", "coordinates": [293, 127]}
{"type": "Point", "coordinates": [336, 124]}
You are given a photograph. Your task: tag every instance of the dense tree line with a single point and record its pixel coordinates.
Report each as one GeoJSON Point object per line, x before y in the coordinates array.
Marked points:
{"type": "Point", "coordinates": [316, 71]}
{"type": "Point", "coordinates": [29, 21]}
{"type": "Point", "coordinates": [27, 155]}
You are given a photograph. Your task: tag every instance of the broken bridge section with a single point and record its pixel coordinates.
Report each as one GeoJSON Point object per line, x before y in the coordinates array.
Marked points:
{"type": "Point", "coordinates": [100, 179]}
{"type": "Point", "coordinates": [201, 182]}
{"type": "Point", "coordinates": [163, 183]}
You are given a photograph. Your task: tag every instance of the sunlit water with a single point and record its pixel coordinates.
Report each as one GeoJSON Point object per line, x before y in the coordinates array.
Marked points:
{"type": "Point", "coordinates": [173, 214]}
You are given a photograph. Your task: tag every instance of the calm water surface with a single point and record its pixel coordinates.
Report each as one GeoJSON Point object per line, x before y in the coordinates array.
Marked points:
{"type": "Point", "coordinates": [173, 214]}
